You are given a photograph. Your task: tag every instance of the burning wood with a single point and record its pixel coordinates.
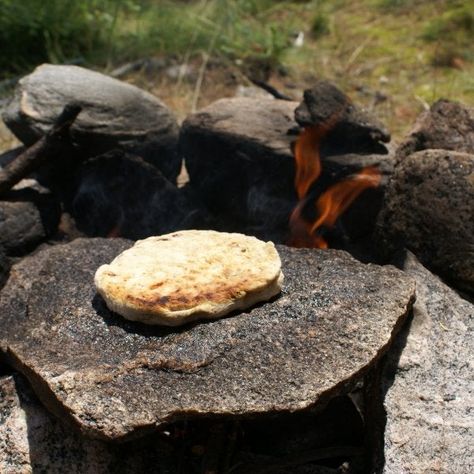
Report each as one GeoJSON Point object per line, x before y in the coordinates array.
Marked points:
{"type": "Point", "coordinates": [331, 203]}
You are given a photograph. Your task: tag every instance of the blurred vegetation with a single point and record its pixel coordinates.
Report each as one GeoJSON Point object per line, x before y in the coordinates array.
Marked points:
{"type": "Point", "coordinates": [395, 56]}
{"type": "Point", "coordinates": [111, 31]}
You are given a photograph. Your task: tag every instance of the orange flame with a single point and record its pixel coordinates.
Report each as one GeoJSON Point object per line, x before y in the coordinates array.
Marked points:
{"type": "Point", "coordinates": [334, 201]}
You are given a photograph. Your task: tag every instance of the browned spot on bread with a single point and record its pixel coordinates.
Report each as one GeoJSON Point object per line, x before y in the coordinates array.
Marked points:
{"type": "Point", "coordinates": [202, 273]}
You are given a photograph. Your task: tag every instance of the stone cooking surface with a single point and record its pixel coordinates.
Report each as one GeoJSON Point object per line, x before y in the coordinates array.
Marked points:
{"type": "Point", "coordinates": [115, 379]}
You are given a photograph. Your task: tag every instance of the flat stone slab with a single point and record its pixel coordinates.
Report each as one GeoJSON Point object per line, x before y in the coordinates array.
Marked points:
{"type": "Point", "coordinates": [32, 440]}
{"type": "Point", "coordinates": [429, 386]}
{"type": "Point", "coordinates": [115, 379]}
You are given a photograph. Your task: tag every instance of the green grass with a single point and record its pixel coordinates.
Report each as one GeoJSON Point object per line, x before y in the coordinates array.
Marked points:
{"type": "Point", "coordinates": [410, 51]}
{"type": "Point", "coordinates": [110, 31]}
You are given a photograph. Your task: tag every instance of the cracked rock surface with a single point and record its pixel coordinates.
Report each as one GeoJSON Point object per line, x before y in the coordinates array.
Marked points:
{"type": "Point", "coordinates": [116, 379]}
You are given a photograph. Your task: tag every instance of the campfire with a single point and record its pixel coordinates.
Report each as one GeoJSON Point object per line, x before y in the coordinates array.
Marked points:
{"type": "Point", "coordinates": [331, 203]}
{"type": "Point", "coordinates": [334, 374]}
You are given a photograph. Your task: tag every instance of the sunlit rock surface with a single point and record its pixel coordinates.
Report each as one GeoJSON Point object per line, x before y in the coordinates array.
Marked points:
{"type": "Point", "coordinates": [114, 114]}
{"type": "Point", "coordinates": [115, 379]}
{"type": "Point", "coordinates": [428, 381]}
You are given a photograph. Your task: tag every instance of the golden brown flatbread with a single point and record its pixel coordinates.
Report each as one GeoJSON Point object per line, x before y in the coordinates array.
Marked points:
{"type": "Point", "coordinates": [184, 276]}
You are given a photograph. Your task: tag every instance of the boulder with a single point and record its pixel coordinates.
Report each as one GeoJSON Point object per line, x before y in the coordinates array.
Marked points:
{"type": "Point", "coordinates": [33, 440]}
{"type": "Point", "coordinates": [429, 209]}
{"type": "Point", "coordinates": [447, 125]}
{"type": "Point", "coordinates": [119, 194]}
{"type": "Point", "coordinates": [115, 114]}
{"type": "Point", "coordinates": [429, 394]}
{"type": "Point", "coordinates": [4, 266]}
{"type": "Point", "coordinates": [239, 159]}
{"type": "Point", "coordinates": [115, 379]}
{"type": "Point", "coordinates": [349, 128]}
{"type": "Point", "coordinates": [27, 218]}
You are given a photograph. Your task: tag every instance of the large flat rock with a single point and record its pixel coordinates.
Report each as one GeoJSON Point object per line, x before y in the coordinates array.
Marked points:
{"type": "Point", "coordinates": [115, 379]}
{"type": "Point", "coordinates": [429, 386]}
{"type": "Point", "coordinates": [34, 441]}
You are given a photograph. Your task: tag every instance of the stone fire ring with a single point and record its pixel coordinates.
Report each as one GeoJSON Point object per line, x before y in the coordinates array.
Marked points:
{"type": "Point", "coordinates": [115, 379]}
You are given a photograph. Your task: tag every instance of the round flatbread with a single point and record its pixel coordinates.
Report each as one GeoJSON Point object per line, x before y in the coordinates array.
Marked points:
{"type": "Point", "coordinates": [184, 276]}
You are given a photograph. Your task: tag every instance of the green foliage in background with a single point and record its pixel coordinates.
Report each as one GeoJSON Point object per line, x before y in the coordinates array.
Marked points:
{"type": "Point", "coordinates": [453, 31]}
{"type": "Point", "coordinates": [104, 33]}
{"type": "Point", "coordinates": [107, 31]}
{"type": "Point", "coordinates": [34, 31]}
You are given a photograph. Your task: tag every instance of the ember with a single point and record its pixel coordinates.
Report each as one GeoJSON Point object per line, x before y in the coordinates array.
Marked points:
{"type": "Point", "coordinates": [332, 202]}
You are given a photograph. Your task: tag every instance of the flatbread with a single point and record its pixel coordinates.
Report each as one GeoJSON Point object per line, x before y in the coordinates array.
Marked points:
{"type": "Point", "coordinates": [184, 276]}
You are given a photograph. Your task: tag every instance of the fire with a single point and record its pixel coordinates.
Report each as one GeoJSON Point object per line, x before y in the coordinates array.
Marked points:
{"type": "Point", "coordinates": [334, 201]}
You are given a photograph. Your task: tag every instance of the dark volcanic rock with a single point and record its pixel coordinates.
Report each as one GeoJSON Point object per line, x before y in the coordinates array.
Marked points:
{"type": "Point", "coordinates": [27, 219]}
{"type": "Point", "coordinates": [114, 378]}
{"type": "Point", "coordinates": [122, 195]}
{"type": "Point", "coordinates": [447, 125]}
{"type": "Point", "coordinates": [115, 114]}
{"type": "Point", "coordinates": [429, 209]}
{"type": "Point", "coordinates": [239, 159]}
{"type": "Point", "coordinates": [4, 266]}
{"type": "Point", "coordinates": [429, 398]}
{"type": "Point", "coordinates": [350, 129]}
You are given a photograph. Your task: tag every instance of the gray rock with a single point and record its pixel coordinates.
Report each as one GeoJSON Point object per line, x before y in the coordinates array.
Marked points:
{"type": "Point", "coordinates": [25, 223]}
{"type": "Point", "coordinates": [350, 129]}
{"type": "Point", "coordinates": [4, 266]}
{"type": "Point", "coordinates": [115, 114]}
{"type": "Point", "coordinates": [429, 387]}
{"type": "Point", "coordinates": [32, 440]}
{"type": "Point", "coordinates": [116, 379]}
{"type": "Point", "coordinates": [121, 195]}
{"type": "Point", "coordinates": [239, 160]}
{"type": "Point", "coordinates": [429, 209]}
{"type": "Point", "coordinates": [447, 125]}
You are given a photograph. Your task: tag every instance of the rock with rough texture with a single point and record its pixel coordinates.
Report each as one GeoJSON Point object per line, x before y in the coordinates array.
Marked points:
{"type": "Point", "coordinates": [115, 114]}
{"type": "Point", "coordinates": [119, 194]}
{"type": "Point", "coordinates": [32, 440]}
{"type": "Point", "coordinates": [4, 266]}
{"type": "Point", "coordinates": [428, 381]}
{"type": "Point", "coordinates": [349, 128]}
{"type": "Point", "coordinates": [429, 209]}
{"type": "Point", "coordinates": [447, 125]}
{"type": "Point", "coordinates": [116, 379]}
{"type": "Point", "coordinates": [26, 219]}
{"type": "Point", "coordinates": [240, 162]}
